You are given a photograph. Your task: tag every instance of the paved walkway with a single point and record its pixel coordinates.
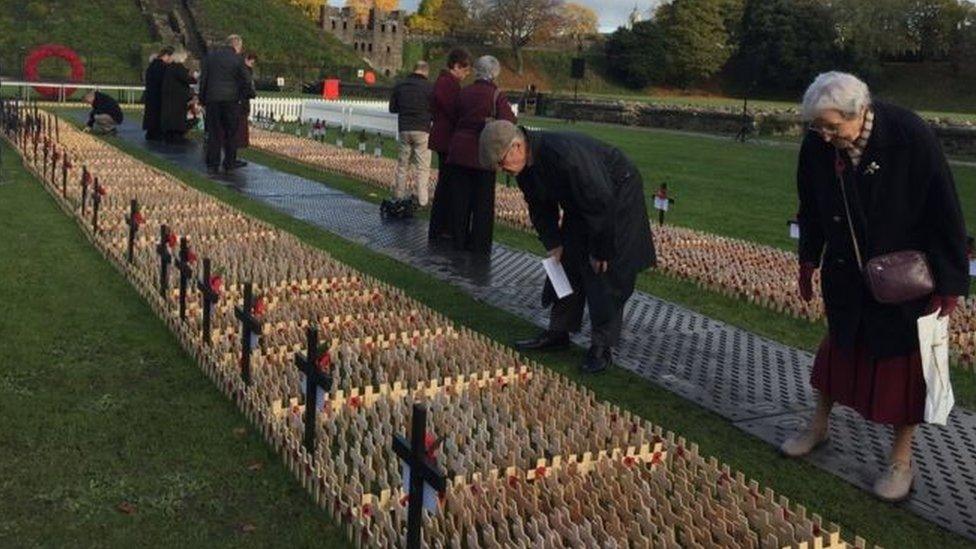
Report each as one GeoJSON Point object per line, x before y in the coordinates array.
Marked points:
{"type": "Point", "coordinates": [759, 385]}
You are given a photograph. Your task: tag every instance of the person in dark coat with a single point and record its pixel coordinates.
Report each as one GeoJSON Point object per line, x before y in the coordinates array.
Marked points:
{"type": "Point", "coordinates": [603, 239]}
{"type": "Point", "coordinates": [177, 94]}
{"type": "Point", "coordinates": [105, 114]}
{"type": "Point", "coordinates": [443, 104]}
{"type": "Point", "coordinates": [243, 124]}
{"type": "Point", "coordinates": [901, 196]}
{"type": "Point", "coordinates": [224, 79]}
{"type": "Point", "coordinates": [473, 185]}
{"type": "Point", "coordinates": [153, 96]}
{"type": "Point", "coordinates": [410, 101]}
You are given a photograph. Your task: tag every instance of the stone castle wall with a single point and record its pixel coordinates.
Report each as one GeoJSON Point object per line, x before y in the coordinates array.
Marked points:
{"type": "Point", "coordinates": [379, 39]}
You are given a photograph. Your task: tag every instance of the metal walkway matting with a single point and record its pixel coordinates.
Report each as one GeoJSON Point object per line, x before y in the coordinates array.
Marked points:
{"type": "Point", "coordinates": [759, 385]}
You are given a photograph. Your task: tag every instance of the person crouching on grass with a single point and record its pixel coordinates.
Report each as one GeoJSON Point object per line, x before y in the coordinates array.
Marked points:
{"type": "Point", "coordinates": [604, 239]}
{"type": "Point", "coordinates": [900, 196]}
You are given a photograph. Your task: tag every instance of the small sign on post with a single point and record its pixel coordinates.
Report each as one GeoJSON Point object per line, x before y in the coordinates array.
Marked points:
{"type": "Point", "coordinates": [316, 368]}
{"type": "Point", "coordinates": [662, 202]}
{"type": "Point", "coordinates": [280, 81]}
{"type": "Point", "coordinates": [421, 468]}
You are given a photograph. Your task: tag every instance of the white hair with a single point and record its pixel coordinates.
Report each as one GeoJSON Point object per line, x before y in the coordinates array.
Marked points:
{"type": "Point", "coordinates": [486, 67]}
{"type": "Point", "coordinates": [179, 56]}
{"type": "Point", "coordinates": [235, 41]}
{"type": "Point", "coordinates": [838, 91]}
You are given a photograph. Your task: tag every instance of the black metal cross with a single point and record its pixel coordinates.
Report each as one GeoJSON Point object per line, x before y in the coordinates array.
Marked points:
{"type": "Point", "coordinates": [423, 470]}
{"type": "Point", "coordinates": [165, 259]}
{"type": "Point", "coordinates": [250, 326]}
{"type": "Point", "coordinates": [133, 221]}
{"type": "Point", "coordinates": [184, 265]}
{"type": "Point", "coordinates": [209, 296]}
{"type": "Point", "coordinates": [316, 375]}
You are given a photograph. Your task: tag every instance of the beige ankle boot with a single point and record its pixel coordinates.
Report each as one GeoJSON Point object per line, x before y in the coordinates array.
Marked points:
{"type": "Point", "coordinates": [802, 442]}
{"type": "Point", "coordinates": [895, 483]}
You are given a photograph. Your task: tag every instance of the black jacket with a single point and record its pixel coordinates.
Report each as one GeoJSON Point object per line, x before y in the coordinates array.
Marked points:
{"type": "Point", "coordinates": [176, 94]}
{"type": "Point", "coordinates": [411, 101]}
{"type": "Point", "coordinates": [902, 197]}
{"type": "Point", "coordinates": [601, 195]}
{"type": "Point", "coordinates": [224, 77]}
{"type": "Point", "coordinates": [104, 104]}
{"type": "Point", "coordinates": [153, 96]}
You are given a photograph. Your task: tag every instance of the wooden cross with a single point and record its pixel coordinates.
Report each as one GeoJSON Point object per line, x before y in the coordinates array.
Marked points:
{"type": "Point", "coordinates": [165, 259]}
{"type": "Point", "coordinates": [423, 470]}
{"type": "Point", "coordinates": [315, 377]}
{"type": "Point", "coordinates": [183, 264]}
{"type": "Point", "coordinates": [65, 165]}
{"type": "Point", "coordinates": [96, 203]}
{"type": "Point", "coordinates": [250, 325]}
{"type": "Point", "coordinates": [209, 296]}
{"type": "Point", "coordinates": [85, 181]}
{"type": "Point", "coordinates": [133, 222]}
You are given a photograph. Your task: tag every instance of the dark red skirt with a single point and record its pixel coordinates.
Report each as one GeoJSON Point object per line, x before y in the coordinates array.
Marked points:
{"type": "Point", "coordinates": [889, 390]}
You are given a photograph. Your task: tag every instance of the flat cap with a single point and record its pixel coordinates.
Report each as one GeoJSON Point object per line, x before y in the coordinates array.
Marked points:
{"type": "Point", "coordinates": [496, 138]}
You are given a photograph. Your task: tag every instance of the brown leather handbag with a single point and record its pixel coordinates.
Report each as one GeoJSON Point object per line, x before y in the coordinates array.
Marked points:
{"type": "Point", "coordinates": [893, 278]}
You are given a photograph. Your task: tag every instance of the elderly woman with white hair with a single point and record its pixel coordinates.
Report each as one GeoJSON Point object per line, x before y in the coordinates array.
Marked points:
{"type": "Point", "coordinates": [176, 95]}
{"type": "Point", "coordinates": [473, 192]}
{"type": "Point", "coordinates": [875, 191]}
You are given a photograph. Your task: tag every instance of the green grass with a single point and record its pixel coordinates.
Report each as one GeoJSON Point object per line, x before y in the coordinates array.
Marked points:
{"type": "Point", "coordinates": [857, 511]}
{"type": "Point", "coordinates": [102, 407]}
{"type": "Point", "coordinates": [107, 34]}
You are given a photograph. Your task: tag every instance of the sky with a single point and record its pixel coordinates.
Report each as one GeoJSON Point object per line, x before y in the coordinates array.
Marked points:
{"type": "Point", "coordinates": [612, 13]}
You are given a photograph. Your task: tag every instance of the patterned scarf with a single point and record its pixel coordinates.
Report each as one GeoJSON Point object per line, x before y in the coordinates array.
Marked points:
{"type": "Point", "coordinates": [856, 150]}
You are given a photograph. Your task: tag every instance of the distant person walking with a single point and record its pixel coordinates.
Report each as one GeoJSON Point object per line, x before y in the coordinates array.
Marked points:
{"type": "Point", "coordinates": [105, 114]}
{"type": "Point", "coordinates": [224, 79]}
{"type": "Point", "coordinates": [411, 102]}
{"type": "Point", "coordinates": [153, 96]}
{"type": "Point", "coordinates": [872, 179]}
{"type": "Point", "coordinates": [473, 185]}
{"type": "Point", "coordinates": [177, 93]}
{"type": "Point", "coordinates": [443, 109]}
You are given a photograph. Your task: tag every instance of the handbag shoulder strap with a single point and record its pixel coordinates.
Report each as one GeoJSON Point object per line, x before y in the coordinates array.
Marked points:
{"type": "Point", "coordinates": [839, 171]}
{"type": "Point", "coordinates": [494, 104]}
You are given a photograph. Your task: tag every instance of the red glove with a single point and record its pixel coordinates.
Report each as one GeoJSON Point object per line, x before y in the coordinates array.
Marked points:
{"type": "Point", "coordinates": [945, 303]}
{"type": "Point", "coordinates": [805, 280]}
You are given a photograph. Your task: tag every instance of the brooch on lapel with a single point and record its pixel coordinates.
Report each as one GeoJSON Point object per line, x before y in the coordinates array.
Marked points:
{"type": "Point", "coordinates": [872, 168]}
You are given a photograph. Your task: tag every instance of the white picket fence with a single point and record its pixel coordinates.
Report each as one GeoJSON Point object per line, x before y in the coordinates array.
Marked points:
{"type": "Point", "coordinates": [350, 114]}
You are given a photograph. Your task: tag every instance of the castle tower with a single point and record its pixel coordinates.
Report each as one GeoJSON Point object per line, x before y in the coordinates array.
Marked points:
{"type": "Point", "coordinates": [379, 40]}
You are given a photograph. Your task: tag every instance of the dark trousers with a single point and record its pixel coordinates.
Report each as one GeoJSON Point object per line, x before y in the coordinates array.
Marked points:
{"type": "Point", "coordinates": [222, 120]}
{"type": "Point", "coordinates": [440, 206]}
{"type": "Point", "coordinates": [604, 294]}
{"type": "Point", "coordinates": [473, 208]}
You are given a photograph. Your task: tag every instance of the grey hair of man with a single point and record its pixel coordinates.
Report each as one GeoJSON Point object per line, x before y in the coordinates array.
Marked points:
{"type": "Point", "coordinates": [235, 41]}
{"type": "Point", "coordinates": [421, 67]}
{"type": "Point", "coordinates": [179, 56]}
{"type": "Point", "coordinates": [838, 91]}
{"type": "Point", "coordinates": [487, 68]}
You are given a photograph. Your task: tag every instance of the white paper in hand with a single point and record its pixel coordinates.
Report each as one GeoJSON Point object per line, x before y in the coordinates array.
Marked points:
{"type": "Point", "coordinates": [933, 339]}
{"type": "Point", "coordinates": [794, 230]}
{"type": "Point", "coordinates": [557, 276]}
{"type": "Point", "coordinates": [661, 203]}
{"type": "Point", "coordinates": [972, 267]}
{"type": "Point", "coordinates": [430, 496]}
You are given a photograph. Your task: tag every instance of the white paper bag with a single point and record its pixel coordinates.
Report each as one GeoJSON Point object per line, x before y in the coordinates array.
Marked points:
{"type": "Point", "coordinates": [933, 339]}
{"type": "Point", "coordinates": [557, 276]}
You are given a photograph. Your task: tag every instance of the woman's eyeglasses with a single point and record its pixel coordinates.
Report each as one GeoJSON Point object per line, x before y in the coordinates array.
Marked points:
{"type": "Point", "coordinates": [826, 130]}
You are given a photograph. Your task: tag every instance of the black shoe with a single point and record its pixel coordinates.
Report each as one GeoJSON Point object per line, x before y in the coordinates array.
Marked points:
{"type": "Point", "coordinates": [213, 170]}
{"type": "Point", "coordinates": [544, 341]}
{"type": "Point", "coordinates": [598, 359]}
{"type": "Point", "coordinates": [240, 163]}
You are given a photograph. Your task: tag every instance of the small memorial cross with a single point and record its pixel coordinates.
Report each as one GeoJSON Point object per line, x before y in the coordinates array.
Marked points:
{"type": "Point", "coordinates": [65, 166]}
{"type": "Point", "coordinates": [184, 263]}
{"type": "Point", "coordinates": [97, 193]}
{"type": "Point", "coordinates": [423, 470]}
{"type": "Point", "coordinates": [316, 367]}
{"type": "Point", "coordinates": [164, 248]}
{"type": "Point", "coordinates": [250, 316]}
{"type": "Point", "coordinates": [134, 220]}
{"type": "Point", "coordinates": [86, 179]}
{"type": "Point", "coordinates": [209, 287]}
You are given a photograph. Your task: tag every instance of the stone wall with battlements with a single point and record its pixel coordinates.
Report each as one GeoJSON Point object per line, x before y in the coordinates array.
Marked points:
{"type": "Point", "coordinates": [379, 39]}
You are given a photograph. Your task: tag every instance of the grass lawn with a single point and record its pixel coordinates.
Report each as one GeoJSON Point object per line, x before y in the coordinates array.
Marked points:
{"type": "Point", "coordinates": [858, 512]}
{"type": "Point", "coordinates": [110, 435]}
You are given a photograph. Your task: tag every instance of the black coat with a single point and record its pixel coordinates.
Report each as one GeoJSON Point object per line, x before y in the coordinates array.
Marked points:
{"type": "Point", "coordinates": [153, 96]}
{"type": "Point", "coordinates": [176, 94]}
{"type": "Point", "coordinates": [601, 195]}
{"type": "Point", "coordinates": [224, 77]}
{"type": "Point", "coordinates": [105, 104]}
{"type": "Point", "coordinates": [902, 197]}
{"type": "Point", "coordinates": [411, 101]}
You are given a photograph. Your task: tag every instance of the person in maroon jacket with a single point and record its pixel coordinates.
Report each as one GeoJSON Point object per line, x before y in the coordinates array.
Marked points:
{"type": "Point", "coordinates": [473, 187]}
{"type": "Point", "coordinates": [442, 109]}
